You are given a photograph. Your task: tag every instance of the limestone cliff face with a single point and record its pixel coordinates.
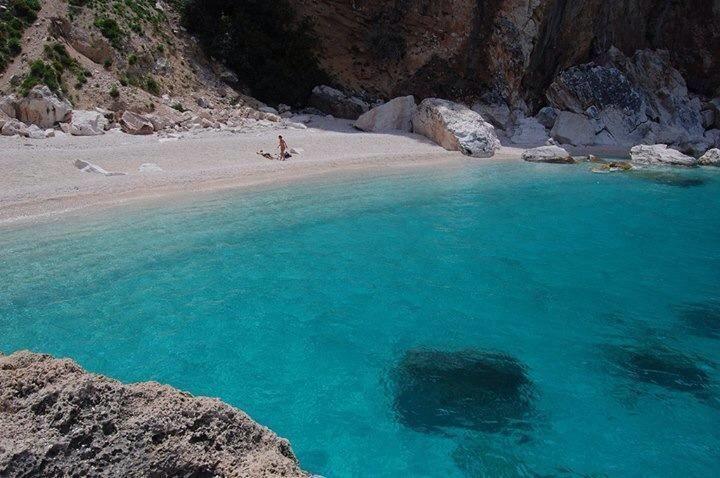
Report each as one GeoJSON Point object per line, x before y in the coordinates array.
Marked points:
{"type": "Point", "coordinates": [511, 49]}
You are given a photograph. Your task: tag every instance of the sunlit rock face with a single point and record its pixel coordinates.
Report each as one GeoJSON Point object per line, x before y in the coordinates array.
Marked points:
{"type": "Point", "coordinates": [436, 391]}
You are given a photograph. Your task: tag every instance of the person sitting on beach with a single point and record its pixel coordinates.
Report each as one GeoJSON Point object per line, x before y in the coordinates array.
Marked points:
{"type": "Point", "coordinates": [283, 148]}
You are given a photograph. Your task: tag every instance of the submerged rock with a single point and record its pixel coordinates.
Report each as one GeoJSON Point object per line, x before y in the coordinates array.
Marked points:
{"type": "Point", "coordinates": [548, 154]}
{"type": "Point", "coordinates": [58, 420]}
{"type": "Point", "coordinates": [668, 178]}
{"type": "Point", "coordinates": [663, 367]}
{"type": "Point", "coordinates": [702, 319]}
{"type": "Point", "coordinates": [455, 128]}
{"type": "Point", "coordinates": [660, 154]}
{"type": "Point", "coordinates": [395, 115]}
{"type": "Point", "coordinates": [612, 167]}
{"type": "Point", "coordinates": [436, 391]}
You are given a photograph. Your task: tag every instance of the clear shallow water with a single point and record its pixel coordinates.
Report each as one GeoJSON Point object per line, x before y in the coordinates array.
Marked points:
{"type": "Point", "coordinates": [575, 315]}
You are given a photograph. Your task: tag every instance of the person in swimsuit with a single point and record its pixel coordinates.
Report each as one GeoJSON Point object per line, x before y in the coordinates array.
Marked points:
{"type": "Point", "coordinates": [283, 147]}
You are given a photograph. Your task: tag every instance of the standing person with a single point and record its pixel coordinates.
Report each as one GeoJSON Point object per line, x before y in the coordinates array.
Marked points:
{"type": "Point", "coordinates": [283, 147]}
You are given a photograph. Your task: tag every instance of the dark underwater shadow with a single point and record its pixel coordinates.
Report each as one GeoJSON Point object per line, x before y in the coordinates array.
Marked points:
{"type": "Point", "coordinates": [676, 178]}
{"type": "Point", "coordinates": [701, 318]}
{"type": "Point", "coordinates": [658, 366]}
{"type": "Point", "coordinates": [438, 391]}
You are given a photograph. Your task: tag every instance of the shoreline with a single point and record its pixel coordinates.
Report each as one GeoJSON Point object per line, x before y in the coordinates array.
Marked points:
{"type": "Point", "coordinates": [41, 182]}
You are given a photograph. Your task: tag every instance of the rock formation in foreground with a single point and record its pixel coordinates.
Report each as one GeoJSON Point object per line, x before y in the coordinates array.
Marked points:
{"type": "Point", "coordinates": [58, 420]}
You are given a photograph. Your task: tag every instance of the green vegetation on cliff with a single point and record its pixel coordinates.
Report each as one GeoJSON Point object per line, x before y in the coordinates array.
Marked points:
{"type": "Point", "coordinates": [50, 71]}
{"type": "Point", "coordinates": [258, 39]}
{"type": "Point", "coordinates": [14, 18]}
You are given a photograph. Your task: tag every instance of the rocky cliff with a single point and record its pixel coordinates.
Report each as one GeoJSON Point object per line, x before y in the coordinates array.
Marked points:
{"type": "Point", "coordinates": [58, 420]}
{"type": "Point", "coordinates": [593, 72]}
{"type": "Point", "coordinates": [508, 48]}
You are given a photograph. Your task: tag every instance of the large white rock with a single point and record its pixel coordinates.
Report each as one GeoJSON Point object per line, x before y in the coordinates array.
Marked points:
{"type": "Point", "coordinates": [395, 115]}
{"type": "Point", "coordinates": [711, 158]}
{"type": "Point", "coordinates": [660, 154]}
{"type": "Point", "coordinates": [573, 128]}
{"type": "Point", "coordinates": [133, 123]}
{"type": "Point", "coordinates": [14, 127]}
{"type": "Point", "coordinates": [87, 123]}
{"type": "Point", "coordinates": [455, 128]}
{"type": "Point", "coordinates": [548, 154]}
{"type": "Point", "coordinates": [42, 108]}
{"type": "Point", "coordinates": [34, 132]}
{"type": "Point", "coordinates": [529, 131]}
{"type": "Point", "coordinates": [88, 167]}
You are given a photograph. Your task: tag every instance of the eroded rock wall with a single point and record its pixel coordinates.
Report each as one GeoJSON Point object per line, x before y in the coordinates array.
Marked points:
{"type": "Point", "coordinates": [512, 49]}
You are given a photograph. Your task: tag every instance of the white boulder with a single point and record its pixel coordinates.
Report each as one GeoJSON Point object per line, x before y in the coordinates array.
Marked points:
{"type": "Point", "coordinates": [573, 128]}
{"type": "Point", "coordinates": [87, 123]}
{"type": "Point", "coordinates": [34, 132]}
{"type": "Point", "coordinates": [133, 123]}
{"type": "Point", "coordinates": [88, 167]}
{"type": "Point", "coordinates": [711, 158]}
{"type": "Point", "coordinates": [14, 127]}
{"type": "Point", "coordinates": [455, 128]}
{"type": "Point", "coordinates": [660, 154]}
{"type": "Point", "coordinates": [42, 108]}
{"type": "Point", "coordinates": [395, 115]}
{"type": "Point", "coordinates": [548, 154]}
{"type": "Point", "coordinates": [149, 168]}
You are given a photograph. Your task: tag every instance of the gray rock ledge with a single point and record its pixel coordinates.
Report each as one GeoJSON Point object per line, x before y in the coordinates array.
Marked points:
{"type": "Point", "coordinates": [58, 420]}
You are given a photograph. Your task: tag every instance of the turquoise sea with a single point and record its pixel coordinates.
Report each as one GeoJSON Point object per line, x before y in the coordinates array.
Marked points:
{"type": "Point", "coordinates": [490, 319]}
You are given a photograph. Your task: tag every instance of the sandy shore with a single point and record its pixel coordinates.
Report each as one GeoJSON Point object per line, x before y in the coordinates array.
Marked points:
{"type": "Point", "coordinates": [39, 178]}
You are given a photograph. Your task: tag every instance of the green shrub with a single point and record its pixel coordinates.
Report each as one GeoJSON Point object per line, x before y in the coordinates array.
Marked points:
{"type": "Point", "coordinates": [178, 107]}
{"type": "Point", "coordinates": [114, 92]}
{"type": "Point", "coordinates": [40, 73]}
{"type": "Point", "coordinates": [107, 64]}
{"type": "Point", "coordinates": [110, 30]}
{"type": "Point", "coordinates": [13, 46]}
{"type": "Point", "coordinates": [132, 59]}
{"type": "Point", "coordinates": [14, 18]}
{"type": "Point", "coordinates": [152, 86]}
{"type": "Point", "coordinates": [25, 9]}
{"type": "Point", "coordinates": [258, 39]}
